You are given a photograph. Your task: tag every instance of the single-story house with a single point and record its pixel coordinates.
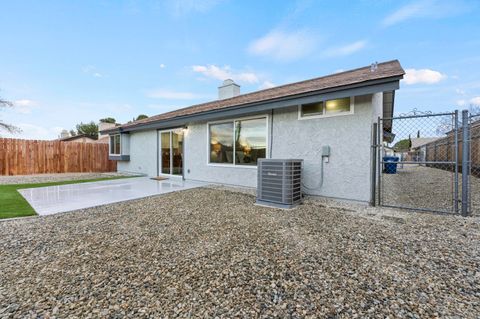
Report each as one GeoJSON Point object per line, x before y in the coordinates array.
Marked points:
{"type": "Point", "coordinates": [221, 141]}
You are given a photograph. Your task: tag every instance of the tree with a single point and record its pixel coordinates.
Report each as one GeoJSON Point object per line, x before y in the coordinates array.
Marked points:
{"type": "Point", "coordinates": [89, 129]}
{"type": "Point", "coordinates": [141, 117]}
{"type": "Point", "coordinates": [5, 126]}
{"type": "Point", "coordinates": [474, 109]}
{"type": "Point", "coordinates": [73, 133]}
{"type": "Point", "coordinates": [108, 120]}
{"type": "Point", "coordinates": [403, 145]}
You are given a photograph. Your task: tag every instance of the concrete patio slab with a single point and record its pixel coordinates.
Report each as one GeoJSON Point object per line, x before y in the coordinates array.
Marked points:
{"type": "Point", "coordinates": [63, 198]}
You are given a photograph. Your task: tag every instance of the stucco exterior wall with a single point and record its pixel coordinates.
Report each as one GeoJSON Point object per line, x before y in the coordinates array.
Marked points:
{"type": "Point", "coordinates": [143, 154]}
{"type": "Point", "coordinates": [347, 174]}
{"type": "Point", "coordinates": [197, 168]}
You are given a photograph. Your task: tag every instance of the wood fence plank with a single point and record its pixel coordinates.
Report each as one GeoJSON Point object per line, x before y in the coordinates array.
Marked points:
{"type": "Point", "coordinates": [18, 157]}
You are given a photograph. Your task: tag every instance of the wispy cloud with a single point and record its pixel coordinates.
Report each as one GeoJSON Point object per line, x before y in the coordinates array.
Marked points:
{"type": "Point", "coordinates": [475, 101]}
{"type": "Point", "coordinates": [226, 72]}
{"type": "Point", "coordinates": [346, 49]}
{"type": "Point", "coordinates": [425, 9]}
{"type": "Point", "coordinates": [24, 106]}
{"type": "Point", "coordinates": [174, 95]}
{"type": "Point", "coordinates": [284, 45]}
{"type": "Point", "coordinates": [92, 70]}
{"type": "Point", "coordinates": [423, 76]}
{"type": "Point", "coordinates": [267, 85]}
{"type": "Point", "coordinates": [178, 8]}
{"type": "Point", "coordinates": [35, 132]}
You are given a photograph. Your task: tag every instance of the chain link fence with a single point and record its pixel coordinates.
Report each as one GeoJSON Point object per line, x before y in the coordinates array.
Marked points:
{"type": "Point", "coordinates": [474, 162]}
{"type": "Point", "coordinates": [418, 162]}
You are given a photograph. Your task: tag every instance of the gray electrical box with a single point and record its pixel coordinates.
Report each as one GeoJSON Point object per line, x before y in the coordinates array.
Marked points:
{"type": "Point", "coordinates": [325, 151]}
{"type": "Point", "coordinates": [279, 182]}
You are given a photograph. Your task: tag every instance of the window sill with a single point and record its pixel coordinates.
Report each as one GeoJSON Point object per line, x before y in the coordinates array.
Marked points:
{"type": "Point", "coordinates": [323, 116]}
{"type": "Point", "coordinates": [118, 157]}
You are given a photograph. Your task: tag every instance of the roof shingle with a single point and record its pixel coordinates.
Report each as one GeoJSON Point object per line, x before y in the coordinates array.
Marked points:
{"type": "Point", "coordinates": [384, 70]}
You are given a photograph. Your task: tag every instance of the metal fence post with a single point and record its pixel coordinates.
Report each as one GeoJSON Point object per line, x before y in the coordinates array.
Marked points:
{"type": "Point", "coordinates": [455, 203]}
{"type": "Point", "coordinates": [379, 160]}
{"type": "Point", "coordinates": [465, 162]}
{"type": "Point", "coordinates": [374, 165]}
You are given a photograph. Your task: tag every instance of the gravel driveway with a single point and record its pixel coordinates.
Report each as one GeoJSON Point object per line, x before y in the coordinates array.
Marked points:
{"type": "Point", "coordinates": [425, 187]}
{"type": "Point", "coordinates": [211, 252]}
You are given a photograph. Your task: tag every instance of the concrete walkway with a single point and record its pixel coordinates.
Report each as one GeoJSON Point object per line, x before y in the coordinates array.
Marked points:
{"type": "Point", "coordinates": [63, 198]}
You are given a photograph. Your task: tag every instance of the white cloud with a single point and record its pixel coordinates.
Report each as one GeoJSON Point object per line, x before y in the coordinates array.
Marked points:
{"type": "Point", "coordinates": [346, 49]}
{"type": "Point", "coordinates": [267, 85]}
{"type": "Point", "coordinates": [180, 8]}
{"type": "Point", "coordinates": [92, 70]}
{"type": "Point", "coordinates": [24, 106]}
{"type": "Point", "coordinates": [35, 132]}
{"type": "Point", "coordinates": [223, 73]}
{"type": "Point", "coordinates": [461, 102]}
{"type": "Point", "coordinates": [460, 91]}
{"type": "Point", "coordinates": [162, 66]}
{"type": "Point", "coordinates": [162, 108]}
{"type": "Point", "coordinates": [423, 76]}
{"type": "Point", "coordinates": [283, 46]}
{"type": "Point", "coordinates": [174, 95]}
{"type": "Point", "coordinates": [424, 9]}
{"type": "Point", "coordinates": [475, 101]}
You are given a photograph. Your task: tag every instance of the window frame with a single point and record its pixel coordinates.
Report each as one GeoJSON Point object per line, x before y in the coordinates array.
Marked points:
{"type": "Point", "coordinates": [325, 115]}
{"type": "Point", "coordinates": [110, 144]}
{"type": "Point", "coordinates": [267, 136]}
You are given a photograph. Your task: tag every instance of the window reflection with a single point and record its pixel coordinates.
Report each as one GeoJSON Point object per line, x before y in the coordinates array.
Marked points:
{"type": "Point", "coordinates": [250, 141]}
{"type": "Point", "coordinates": [245, 147]}
{"type": "Point", "coordinates": [221, 143]}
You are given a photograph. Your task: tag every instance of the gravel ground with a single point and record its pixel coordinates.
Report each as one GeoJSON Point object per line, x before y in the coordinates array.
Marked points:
{"type": "Point", "coordinates": [45, 178]}
{"type": "Point", "coordinates": [212, 253]}
{"type": "Point", "coordinates": [426, 187]}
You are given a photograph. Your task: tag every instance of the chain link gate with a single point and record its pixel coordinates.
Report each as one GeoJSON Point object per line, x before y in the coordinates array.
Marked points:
{"type": "Point", "coordinates": [474, 164]}
{"type": "Point", "coordinates": [417, 162]}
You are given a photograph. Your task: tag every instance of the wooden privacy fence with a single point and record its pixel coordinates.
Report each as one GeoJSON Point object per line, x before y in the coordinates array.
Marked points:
{"type": "Point", "coordinates": [23, 157]}
{"type": "Point", "coordinates": [442, 150]}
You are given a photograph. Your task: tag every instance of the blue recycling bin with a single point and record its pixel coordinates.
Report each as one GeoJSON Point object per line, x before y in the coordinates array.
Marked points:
{"type": "Point", "coordinates": [390, 164]}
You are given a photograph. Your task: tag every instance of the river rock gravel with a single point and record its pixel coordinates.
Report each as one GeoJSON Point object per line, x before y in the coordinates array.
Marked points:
{"type": "Point", "coordinates": [428, 188]}
{"type": "Point", "coordinates": [47, 178]}
{"type": "Point", "coordinates": [212, 253]}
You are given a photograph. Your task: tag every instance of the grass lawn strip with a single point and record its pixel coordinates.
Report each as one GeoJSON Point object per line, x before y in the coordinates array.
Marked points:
{"type": "Point", "coordinates": [12, 203]}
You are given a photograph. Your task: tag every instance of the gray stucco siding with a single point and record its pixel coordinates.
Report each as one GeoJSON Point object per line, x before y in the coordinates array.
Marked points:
{"type": "Point", "coordinates": [143, 154]}
{"type": "Point", "coordinates": [346, 175]}
{"type": "Point", "coordinates": [196, 161]}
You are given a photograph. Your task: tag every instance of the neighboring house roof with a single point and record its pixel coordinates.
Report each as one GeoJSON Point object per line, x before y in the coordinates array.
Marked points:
{"type": "Point", "coordinates": [77, 137]}
{"type": "Point", "coordinates": [421, 141]}
{"type": "Point", "coordinates": [360, 77]}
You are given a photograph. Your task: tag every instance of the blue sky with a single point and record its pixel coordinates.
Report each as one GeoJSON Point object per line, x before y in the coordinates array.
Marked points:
{"type": "Point", "coordinates": [64, 62]}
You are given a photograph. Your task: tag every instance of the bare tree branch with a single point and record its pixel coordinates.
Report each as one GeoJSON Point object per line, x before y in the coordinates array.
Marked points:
{"type": "Point", "coordinates": [5, 103]}
{"type": "Point", "coordinates": [5, 126]}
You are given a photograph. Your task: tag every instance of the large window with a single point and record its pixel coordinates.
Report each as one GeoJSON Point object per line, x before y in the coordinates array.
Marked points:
{"type": "Point", "coordinates": [239, 142]}
{"type": "Point", "coordinates": [115, 144]}
{"type": "Point", "coordinates": [327, 108]}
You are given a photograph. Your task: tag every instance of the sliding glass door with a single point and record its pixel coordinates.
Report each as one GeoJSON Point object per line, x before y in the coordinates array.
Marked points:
{"type": "Point", "coordinates": [171, 152]}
